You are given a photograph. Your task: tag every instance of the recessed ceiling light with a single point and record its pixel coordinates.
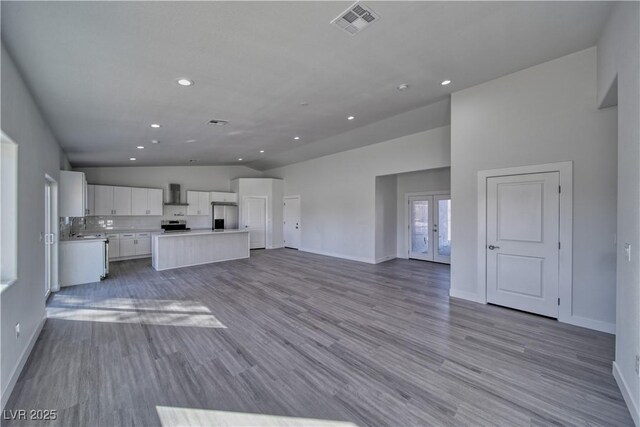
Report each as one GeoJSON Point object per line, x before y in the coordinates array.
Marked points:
{"type": "Point", "coordinates": [445, 82]}
{"type": "Point", "coordinates": [262, 151]}
{"type": "Point", "coordinates": [140, 147]}
{"type": "Point", "coordinates": [155, 141]}
{"type": "Point", "coordinates": [296, 138]}
{"type": "Point", "coordinates": [350, 118]}
{"type": "Point", "coordinates": [403, 86]}
{"type": "Point", "coordinates": [304, 104]}
{"type": "Point", "coordinates": [240, 159]}
{"type": "Point", "coordinates": [155, 125]}
{"type": "Point", "coordinates": [218, 122]}
{"type": "Point", "coordinates": [188, 141]}
{"type": "Point", "coordinates": [132, 158]}
{"type": "Point", "coordinates": [185, 82]}
{"type": "Point", "coordinates": [193, 160]}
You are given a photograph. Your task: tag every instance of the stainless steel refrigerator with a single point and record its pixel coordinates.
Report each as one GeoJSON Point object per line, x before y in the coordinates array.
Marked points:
{"type": "Point", "coordinates": [225, 216]}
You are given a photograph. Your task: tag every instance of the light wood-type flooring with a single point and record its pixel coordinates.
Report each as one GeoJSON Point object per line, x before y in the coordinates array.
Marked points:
{"type": "Point", "coordinates": [292, 338]}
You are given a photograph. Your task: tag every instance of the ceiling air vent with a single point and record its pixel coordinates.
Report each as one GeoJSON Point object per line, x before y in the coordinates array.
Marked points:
{"type": "Point", "coordinates": [218, 122]}
{"type": "Point", "coordinates": [355, 19]}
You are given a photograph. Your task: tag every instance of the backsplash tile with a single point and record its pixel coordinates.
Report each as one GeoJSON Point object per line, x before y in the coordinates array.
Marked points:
{"type": "Point", "coordinates": [107, 223]}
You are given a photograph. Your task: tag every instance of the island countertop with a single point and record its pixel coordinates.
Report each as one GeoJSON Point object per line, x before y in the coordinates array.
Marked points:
{"type": "Point", "coordinates": [198, 233]}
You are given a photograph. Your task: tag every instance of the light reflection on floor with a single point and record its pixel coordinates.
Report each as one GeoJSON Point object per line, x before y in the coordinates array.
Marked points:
{"type": "Point", "coordinates": [126, 310]}
{"type": "Point", "coordinates": [173, 416]}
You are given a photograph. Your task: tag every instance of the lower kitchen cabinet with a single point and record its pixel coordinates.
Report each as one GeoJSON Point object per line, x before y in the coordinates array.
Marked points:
{"type": "Point", "coordinates": [143, 243]}
{"type": "Point", "coordinates": [129, 245]}
{"type": "Point", "coordinates": [114, 245]}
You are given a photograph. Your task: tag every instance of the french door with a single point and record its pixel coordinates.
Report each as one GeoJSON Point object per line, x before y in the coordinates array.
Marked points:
{"type": "Point", "coordinates": [430, 228]}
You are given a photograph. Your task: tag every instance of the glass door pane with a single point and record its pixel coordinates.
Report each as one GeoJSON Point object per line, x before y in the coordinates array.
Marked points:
{"type": "Point", "coordinates": [443, 228]}
{"type": "Point", "coordinates": [419, 228]}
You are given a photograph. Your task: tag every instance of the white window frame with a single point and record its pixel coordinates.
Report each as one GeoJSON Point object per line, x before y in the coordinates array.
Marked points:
{"type": "Point", "coordinates": [9, 213]}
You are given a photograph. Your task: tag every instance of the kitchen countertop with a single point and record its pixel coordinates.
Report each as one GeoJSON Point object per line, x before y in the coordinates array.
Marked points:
{"type": "Point", "coordinates": [200, 233]}
{"type": "Point", "coordinates": [130, 230]}
{"type": "Point", "coordinates": [97, 238]}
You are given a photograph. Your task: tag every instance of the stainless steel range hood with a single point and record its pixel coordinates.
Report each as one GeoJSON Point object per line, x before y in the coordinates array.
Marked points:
{"type": "Point", "coordinates": [174, 196]}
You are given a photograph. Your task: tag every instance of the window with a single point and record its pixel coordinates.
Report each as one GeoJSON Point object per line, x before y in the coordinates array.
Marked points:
{"type": "Point", "coordinates": [8, 211]}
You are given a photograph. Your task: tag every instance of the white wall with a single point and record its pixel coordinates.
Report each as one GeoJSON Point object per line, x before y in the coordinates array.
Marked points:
{"type": "Point", "coordinates": [543, 114]}
{"type": "Point", "coordinates": [416, 182]}
{"type": "Point", "coordinates": [619, 60]}
{"type": "Point", "coordinates": [386, 201]}
{"type": "Point", "coordinates": [338, 191]}
{"type": "Point", "coordinates": [38, 154]}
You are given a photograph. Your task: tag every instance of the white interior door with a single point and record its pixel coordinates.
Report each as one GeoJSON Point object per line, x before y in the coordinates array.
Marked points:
{"type": "Point", "coordinates": [292, 222]}
{"type": "Point", "coordinates": [254, 212]}
{"type": "Point", "coordinates": [522, 252]}
{"type": "Point", "coordinates": [420, 224]}
{"type": "Point", "coordinates": [442, 228]}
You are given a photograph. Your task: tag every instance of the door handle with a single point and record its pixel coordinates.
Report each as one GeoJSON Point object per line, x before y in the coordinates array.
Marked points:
{"type": "Point", "coordinates": [491, 247]}
{"type": "Point", "coordinates": [425, 240]}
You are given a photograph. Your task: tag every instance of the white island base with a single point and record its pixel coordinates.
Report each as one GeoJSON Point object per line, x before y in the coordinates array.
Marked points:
{"type": "Point", "coordinates": [175, 250]}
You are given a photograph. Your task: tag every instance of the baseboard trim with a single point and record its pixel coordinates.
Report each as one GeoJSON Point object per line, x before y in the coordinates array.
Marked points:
{"type": "Point", "coordinates": [626, 394]}
{"type": "Point", "coordinates": [469, 296]}
{"type": "Point", "coordinates": [13, 379]}
{"type": "Point", "coordinates": [385, 258]}
{"type": "Point", "coordinates": [585, 322]}
{"type": "Point", "coordinates": [336, 255]}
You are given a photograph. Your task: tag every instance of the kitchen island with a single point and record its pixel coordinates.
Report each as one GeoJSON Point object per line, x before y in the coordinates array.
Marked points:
{"type": "Point", "coordinates": [183, 249]}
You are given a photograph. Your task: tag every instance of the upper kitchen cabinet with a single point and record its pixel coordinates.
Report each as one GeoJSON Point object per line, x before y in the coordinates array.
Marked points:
{"type": "Point", "coordinates": [223, 197]}
{"type": "Point", "coordinates": [111, 200]}
{"type": "Point", "coordinates": [146, 201]}
{"type": "Point", "coordinates": [91, 200]}
{"type": "Point", "coordinates": [73, 194]}
{"type": "Point", "coordinates": [199, 203]}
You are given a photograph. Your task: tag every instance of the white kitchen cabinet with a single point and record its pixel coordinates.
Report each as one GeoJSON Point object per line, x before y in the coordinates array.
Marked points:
{"type": "Point", "coordinates": [114, 245]}
{"type": "Point", "coordinates": [223, 197]}
{"type": "Point", "coordinates": [154, 201]}
{"type": "Point", "coordinates": [146, 201]}
{"type": "Point", "coordinates": [103, 200]}
{"type": "Point", "coordinates": [81, 261]}
{"type": "Point", "coordinates": [91, 200]}
{"type": "Point", "coordinates": [127, 244]}
{"type": "Point", "coordinates": [199, 203]}
{"type": "Point", "coordinates": [139, 201]}
{"type": "Point", "coordinates": [73, 194]}
{"type": "Point", "coordinates": [122, 201]}
{"type": "Point", "coordinates": [111, 200]}
{"type": "Point", "coordinates": [143, 244]}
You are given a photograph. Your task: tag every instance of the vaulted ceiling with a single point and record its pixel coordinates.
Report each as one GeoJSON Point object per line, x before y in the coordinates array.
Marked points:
{"type": "Point", "coordinates": [102, 72]}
